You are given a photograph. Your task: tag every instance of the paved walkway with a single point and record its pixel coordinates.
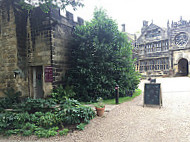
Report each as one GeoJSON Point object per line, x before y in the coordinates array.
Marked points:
{"type": "Point", "coordinates": [130, 122]}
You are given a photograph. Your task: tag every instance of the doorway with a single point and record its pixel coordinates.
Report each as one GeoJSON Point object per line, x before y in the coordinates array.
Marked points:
{"type": "Point", "coordinates": [183, 69]}
{"type": "Point", "coordinates": [37, 82]}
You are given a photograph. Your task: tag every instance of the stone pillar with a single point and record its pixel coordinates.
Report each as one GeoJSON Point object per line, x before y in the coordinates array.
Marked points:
{"type": "Point", "coordinates": [69, 16]}
{"type": "Point", "coordinates": [123, 27]}
{"type": "Point", "coordinates": [80, 21]}
{"type": "Point", "coordinates": [171, 60]}
{"type": "Point", "coordinates": [188, 68]}
{"type": "Point", "coordinates": [34, 82]}
{"type": "Point", "coordinates": [171, 64]}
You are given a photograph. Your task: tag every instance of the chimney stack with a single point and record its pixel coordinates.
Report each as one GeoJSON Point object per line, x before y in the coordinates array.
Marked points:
{"type": "Point", "coordinates": [145, 25]}
{"type": "Point", "coordinates": [123, 27]}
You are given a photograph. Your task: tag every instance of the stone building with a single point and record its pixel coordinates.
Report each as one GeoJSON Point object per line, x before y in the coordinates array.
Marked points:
{"type": "Point", "coordinates": [164, 51]}
{"type": "Point", "coordinates": [132, 38]}
{"type": "Point", "coordinates": [34, 48]}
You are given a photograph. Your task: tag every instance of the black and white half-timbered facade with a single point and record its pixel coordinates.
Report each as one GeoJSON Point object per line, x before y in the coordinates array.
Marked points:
{"type": "Point", "coordinates": [164, 51]}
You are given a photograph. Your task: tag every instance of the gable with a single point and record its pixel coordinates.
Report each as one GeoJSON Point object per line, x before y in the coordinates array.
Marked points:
{"type": "Point", "coordinates": [151, 32]}
{"type": "Point", "coordinates": [152, 27]}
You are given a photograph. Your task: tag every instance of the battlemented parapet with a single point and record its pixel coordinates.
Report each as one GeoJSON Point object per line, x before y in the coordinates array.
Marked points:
{"type": "Point", "coordinates": [62, 42]}
{"type": "Point", "coordinates": [51, 40]}
{"type": "Point", "coordinates": [69, 17]}
{"type": "Point", "coordinates": [180, 23]}
{"type": "Point", "coordinates": [34, 48]}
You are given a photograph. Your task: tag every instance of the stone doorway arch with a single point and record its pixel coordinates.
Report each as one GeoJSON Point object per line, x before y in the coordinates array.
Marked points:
{"type": "Point", "coordinates": [183, 69]}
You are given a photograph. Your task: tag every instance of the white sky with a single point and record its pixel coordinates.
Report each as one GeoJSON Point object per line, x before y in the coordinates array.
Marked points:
{"type": "Point", "coordinates": [133, 12]}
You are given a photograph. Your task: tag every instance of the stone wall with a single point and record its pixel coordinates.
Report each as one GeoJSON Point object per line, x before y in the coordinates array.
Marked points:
{"type": "Point", "coordinates": [13, 69]}
{"type": "Point", "coordinates": [177, 55]}
{"type": "Point", "coordinates": [49, 44]}
{"type": "Point", "coordinates": [39, 29]}
{"type": "Point", "coordinates": [21, 35]}
{"type": "Point", "coordinates": [174, 32]}
{"type": "Point", "coordinates": [31, 42]}
{"type": "Point", "coordinates": [62, 43]}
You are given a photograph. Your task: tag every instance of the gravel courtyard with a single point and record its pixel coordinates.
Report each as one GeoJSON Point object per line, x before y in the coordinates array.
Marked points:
{"type": "Point", "coordinates": [130, 122]}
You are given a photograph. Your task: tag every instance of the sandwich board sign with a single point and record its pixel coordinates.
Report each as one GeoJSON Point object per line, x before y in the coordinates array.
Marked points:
{"type": "Point", "coordinates": [152, 94]}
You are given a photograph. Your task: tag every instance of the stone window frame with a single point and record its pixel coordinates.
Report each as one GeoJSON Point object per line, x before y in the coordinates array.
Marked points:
{"type": "Point", "coordinates": [167, 63]}
{"type": "Point", "coordinates": [141, 66]}
{"type": "Point", "coordinates": [159, 64]}
{"type": "Point", "coordinates": [163, 45]}
{"type": "Point", "coordinates": [151, 64]}
{"type": "Point", "coordinates": [141, 48]}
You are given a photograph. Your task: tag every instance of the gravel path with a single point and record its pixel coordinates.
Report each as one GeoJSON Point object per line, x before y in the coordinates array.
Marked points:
{"type": "Point", "coordinates": [130, 122]}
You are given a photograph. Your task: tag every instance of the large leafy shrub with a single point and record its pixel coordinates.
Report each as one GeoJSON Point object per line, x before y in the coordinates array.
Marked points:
{"type": "Point", "coordinates": [34, 105]}
{"type": "Point", "coordinates": [35, 119]}
{"type": "Point", "coordinates": [72, 112]}
{"type": "Point", "coordinates": [101, 58]}
{"type": "Point", "coordinates": [61, 93]}
{"type": "Point", "coordinates": [11, 98]}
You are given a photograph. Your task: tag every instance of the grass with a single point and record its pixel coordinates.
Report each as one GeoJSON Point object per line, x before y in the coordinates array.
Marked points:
{"type": "Point", "coordinates": [121, 99]}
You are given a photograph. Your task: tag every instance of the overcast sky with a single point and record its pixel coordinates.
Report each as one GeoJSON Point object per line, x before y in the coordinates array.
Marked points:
{"type": "Point", "coordinates": [133, 12]}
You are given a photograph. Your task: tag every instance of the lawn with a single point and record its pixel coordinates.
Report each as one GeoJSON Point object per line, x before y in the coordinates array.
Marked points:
{"type": "Point", "coordinates": [121, 99]}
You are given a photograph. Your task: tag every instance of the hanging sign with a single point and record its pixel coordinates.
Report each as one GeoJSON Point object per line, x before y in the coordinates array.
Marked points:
{"type": "Point", "coordinates": [48, 74]}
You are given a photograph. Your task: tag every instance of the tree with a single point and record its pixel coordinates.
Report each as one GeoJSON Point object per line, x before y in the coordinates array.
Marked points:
{"type": "Point", "coordinates": [46, 5]}
{"type": "Point", "coordinates": [101, 58]}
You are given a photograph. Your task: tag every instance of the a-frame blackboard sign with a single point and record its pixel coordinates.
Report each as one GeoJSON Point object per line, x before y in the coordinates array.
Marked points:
{"type": "Point", "coordinates": [152, 94]}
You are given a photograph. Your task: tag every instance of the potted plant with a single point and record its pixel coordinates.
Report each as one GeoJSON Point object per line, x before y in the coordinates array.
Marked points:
{"type": "Point", "coordinates": [100, 107]}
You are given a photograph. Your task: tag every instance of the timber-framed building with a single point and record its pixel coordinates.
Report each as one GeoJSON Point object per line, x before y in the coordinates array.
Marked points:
{"type": "Point", "coordinates": [164, 51]}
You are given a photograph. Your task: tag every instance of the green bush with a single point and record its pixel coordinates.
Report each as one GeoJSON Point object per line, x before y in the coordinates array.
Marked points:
{"type": "Point", "coordinates": [28, 129]}
{"type": "Point", "coordinates": [61, 94]}
{"type": "Point", "coordinates": [70, 103]}
{"type": "Point", "coordinates": [7, 121]}
{"type": "Point", "coordinates": [74, 113]}
{"type": "Point", "coordinates": [101, 58]}
{"type": "Point", "coordinates": [64, 132]}
{"type": "Point", "coordinates": [41, 132]}
{"type": "Point", "coordinates": [12, 132]}
{"type": "Point", "coordinates": [49, 120]}
{"type": "Point", "coordinates": [12, 96]}
{"type": "Point", "coordinates": [10, 100]}
{"type": "Point", "coordinates": [44, 124]}
{"type": "Point", "coordinates": [81, 126]}
{"type": "Point", "coordinates": [37, 105]}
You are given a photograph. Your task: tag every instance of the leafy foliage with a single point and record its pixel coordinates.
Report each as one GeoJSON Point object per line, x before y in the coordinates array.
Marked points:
{"type": "Point", "coordinates": [76, 113]}
{"type": "Point", "coordinates": [61, 94]}
{"type": "Point", "coordinates": [101, 59]}
{"type": "Point", "coordinates": [28, 129]}
{"type": "Point", "coordinates": [41, 132]}
{"type": "Point", "coordinates": [11, 98]}
{"type": "Point", "coordinates": [64, 132]}
{"type": "Point", "coordinates": [46, 5]}
{"type": "Point", "coordinates": [47, 120]}
{"type": "Point", "coordinates": [99, 103]}
{"type": "Point", "coordinates": [81, 126]}
{"type": "Point", "coordinates": [35, 105]}
{"type": "Point", "coordinates": [44, 123]}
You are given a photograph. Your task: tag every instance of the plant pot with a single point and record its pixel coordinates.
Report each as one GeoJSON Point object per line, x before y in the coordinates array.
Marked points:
{"type": "Point", "coordinates": [100, 111]}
